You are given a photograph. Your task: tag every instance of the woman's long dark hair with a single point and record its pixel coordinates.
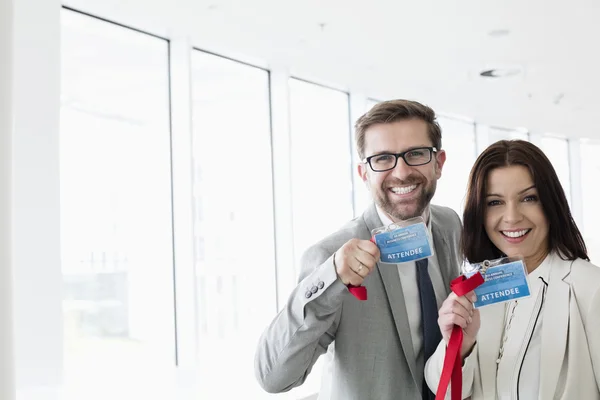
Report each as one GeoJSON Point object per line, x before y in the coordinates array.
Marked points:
{"type": "Point", "coordinates": [564, 237]}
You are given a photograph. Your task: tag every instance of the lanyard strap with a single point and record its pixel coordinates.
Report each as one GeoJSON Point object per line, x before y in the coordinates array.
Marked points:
{"type": "Point", "coordinates": [360, 292]}
{"type": "Point", "coordinates": [452, 362]}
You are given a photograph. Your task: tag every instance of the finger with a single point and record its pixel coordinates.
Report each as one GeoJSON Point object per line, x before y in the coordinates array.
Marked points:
{"type": "Point", "coordinates": [475, 314]}
{"type": "Point", "coordinates": [463, 300]}
{"type": "Point", "coordinates": [369, 247]}
{"type": "Point", "coordinates": [471, 296]}
{"type": "Point", "coordinates": [450, 320]}
{"type": "Point", "coordinates": [354, 278]}
{"type": "Point", "coordinates": [456, 307]}
{"type": "Point", "coordinates": [452, 296]}
{"type": "Point", "coordinates": [447, 322]}
{"type": "Point", "coordinates": [466, 303]}
{"type": "Point", "coordinates": [446, 306]}
{"type": "Point", "coordinates": [360, 268]}
{"type": "Point", "coordinates": [366, 259]}
{"type": "Point", "coordinates": [460, 309]}
{"type": "Point", "coordinates": [448, 303]}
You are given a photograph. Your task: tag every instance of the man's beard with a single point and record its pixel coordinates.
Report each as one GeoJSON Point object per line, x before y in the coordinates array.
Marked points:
{"type": "Point", "coordinates": [397, 210]}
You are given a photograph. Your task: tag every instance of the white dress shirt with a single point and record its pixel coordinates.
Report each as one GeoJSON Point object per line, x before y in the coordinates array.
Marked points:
{"type": "Point", "coordinates": [519, 366]}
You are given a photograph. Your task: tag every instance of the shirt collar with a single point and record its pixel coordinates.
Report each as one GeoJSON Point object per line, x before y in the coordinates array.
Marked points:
{"type": "Point", "coordinates": [385, 219]}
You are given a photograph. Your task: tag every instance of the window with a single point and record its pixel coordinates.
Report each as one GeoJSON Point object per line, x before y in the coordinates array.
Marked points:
{"type": "Point", "coordinates": [233, 223]}
{"type": "Point", "coordinates": [362, 195]}
{"type": "Point", "coordinates": [115, 202]}
{"type": "Point", "coordinates": [458, 140]}
{"type": "Point", "coordinates": [321, 175]}
{"type": "Point", "coordinates": [371, 103]}
{"type": "Point", "coordinates": [557, 151]}
{"type": "Point", "coordinates": [321, 162]}
{"type": "Point", "coordinates": [590, 170]}
{"type": "Point", "coordinates": [497, 133]}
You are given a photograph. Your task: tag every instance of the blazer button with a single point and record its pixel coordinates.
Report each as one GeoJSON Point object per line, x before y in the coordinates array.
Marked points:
{"type": "Point", "coordinates": [321, 284]}
{"type": "Point", "coordinates": [308, 294]}
{"type": "Point", "coordinates": [314, 289]}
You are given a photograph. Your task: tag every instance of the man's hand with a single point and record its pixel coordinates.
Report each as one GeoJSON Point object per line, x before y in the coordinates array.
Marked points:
{"type": "Point", "coordinates": [460, 311]}
{"type": "Point", "coordinates": [355, 260]}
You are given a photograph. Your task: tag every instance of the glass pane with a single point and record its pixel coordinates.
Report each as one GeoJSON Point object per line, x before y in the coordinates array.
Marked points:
{"type": "Point", "coordinates": [321, 175]}
{"type": "Point", "coordinates": [590, 192]}
{"type": "Point", "coordinates": [362, 196]}
{"type": "Point", "coordinates": [321, 162]}
{"type": "Point", "coordinates": [371, 103]}
{"type": "Point", "coordinates": [117, 257]}
{"type": "Point", "coordinates": [497, 133]}
{"type": "Point", "coordinates": [233, 222]}
{"type": "Point", "coordinates": [557, 151]}
{"type": "Point", "coordinates": [458, 139]}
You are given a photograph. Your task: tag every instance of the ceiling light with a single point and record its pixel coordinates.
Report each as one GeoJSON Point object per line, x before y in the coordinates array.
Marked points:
{"type": "Point", "coordinates": [500, 72]}
{"type": "Point", "coordinates": [558, 98]}
{"type": "Point", "coordinates": [499, 32]}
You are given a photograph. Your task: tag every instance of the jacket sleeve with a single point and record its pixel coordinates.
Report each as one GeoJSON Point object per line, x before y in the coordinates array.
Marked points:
{"type": "Point", "coordinates": [592, 330]}
{"type": "Point", "coordinates": [304, 328]}
{"type": "Point", "coordinates": [435, 364]}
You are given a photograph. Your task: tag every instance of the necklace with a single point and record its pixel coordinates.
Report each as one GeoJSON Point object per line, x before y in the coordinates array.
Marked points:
{"type": "Point", "coordinates": [507, 324]}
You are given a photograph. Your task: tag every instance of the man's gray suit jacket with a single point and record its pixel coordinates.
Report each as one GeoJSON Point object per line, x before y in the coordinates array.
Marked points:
{"type": "Point", "coordinates": [373, 354]}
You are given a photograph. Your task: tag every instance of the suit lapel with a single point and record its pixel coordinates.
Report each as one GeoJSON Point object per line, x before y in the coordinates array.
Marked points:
{"type": "Point", "coordinates": [555, 326]}
{"type": "Point", "coordinates": [393, 290]}
{"type": "Point", "coordinates": [488, 345]}
{"type": "Point", "coordinates": [447, 257]}
{"type": "Point", "coordinates": [442, 251]}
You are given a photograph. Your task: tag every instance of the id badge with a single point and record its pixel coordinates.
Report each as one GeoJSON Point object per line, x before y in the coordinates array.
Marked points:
{"type": "Point", "coordinates": [403, 241]}
{"type": "Point", "coordinates": [505, 280]}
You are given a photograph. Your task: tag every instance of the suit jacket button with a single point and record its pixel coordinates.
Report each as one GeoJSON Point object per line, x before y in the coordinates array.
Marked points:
{"type": "Point", "coordinates": [314, 289]}
{"type": "Point", "coordinates": [321, 284]}
{"type": "Point", "coordinates": [308, 294]}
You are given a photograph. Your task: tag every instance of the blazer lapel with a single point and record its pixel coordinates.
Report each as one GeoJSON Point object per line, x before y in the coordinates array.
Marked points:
{"type": "Point", "coordinates": [448, 259]}
{"type": "Point", "coordinates": [488, 345]}
{"type": "Point", "coordinates": [555, 326]}
{"type": "Point", "coordinates": [442, 251]}
{"type": "Point", "coordinates": [393, 290]}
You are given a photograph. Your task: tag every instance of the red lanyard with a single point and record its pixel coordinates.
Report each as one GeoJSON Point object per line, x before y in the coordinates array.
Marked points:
{"type": "Point", "coordinates": [360, 292]}
{"type": "Point", "coordinates": [452, 362]}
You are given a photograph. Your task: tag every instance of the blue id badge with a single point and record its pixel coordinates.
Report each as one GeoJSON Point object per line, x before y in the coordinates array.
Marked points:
{"type": "Point", "coordinates": [505, 280]}
{"type": "Point", "coordinates": [403, 241]}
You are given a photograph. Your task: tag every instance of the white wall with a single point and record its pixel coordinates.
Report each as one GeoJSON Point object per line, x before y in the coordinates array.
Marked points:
{"type": "Point", "coordinates": [7, 384]}
{"type": "Point", "coordinates": [36, 245]}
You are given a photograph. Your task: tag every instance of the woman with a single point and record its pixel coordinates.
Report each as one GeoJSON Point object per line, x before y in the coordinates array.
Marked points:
{"type": "Point", "coordinates": [547, 345]}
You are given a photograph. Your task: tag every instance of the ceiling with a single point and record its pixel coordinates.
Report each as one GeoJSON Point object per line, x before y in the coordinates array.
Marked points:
{"type": "Point", "coordinates": [428, 50]}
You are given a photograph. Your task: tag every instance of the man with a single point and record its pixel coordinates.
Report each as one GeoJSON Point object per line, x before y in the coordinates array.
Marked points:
{"type": "Point", "coordinates": [378, 346]}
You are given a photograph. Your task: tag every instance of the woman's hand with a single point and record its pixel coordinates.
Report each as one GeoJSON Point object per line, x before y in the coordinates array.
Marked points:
{"type": "Point", "coordinates": [460, 311]}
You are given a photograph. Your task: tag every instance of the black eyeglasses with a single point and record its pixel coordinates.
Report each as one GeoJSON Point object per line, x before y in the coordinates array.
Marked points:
{"type": "Point", "coordinates": [413, 157]}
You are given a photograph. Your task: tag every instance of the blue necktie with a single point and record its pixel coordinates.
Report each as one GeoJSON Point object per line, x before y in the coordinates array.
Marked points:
{"type": "Point", "coordinates": [429, 316]}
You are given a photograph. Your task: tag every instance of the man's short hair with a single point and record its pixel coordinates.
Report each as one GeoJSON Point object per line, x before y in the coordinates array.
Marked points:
{"type": "Point", "coordinates": [396, 110]}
